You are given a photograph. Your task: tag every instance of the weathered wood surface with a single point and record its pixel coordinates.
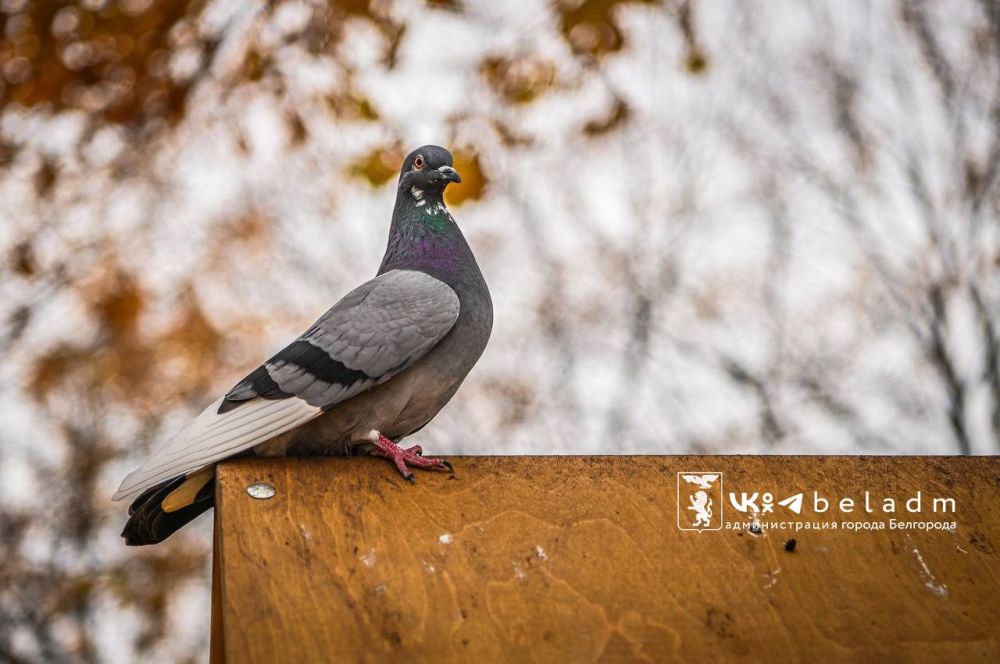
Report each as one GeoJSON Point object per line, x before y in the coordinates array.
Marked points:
{"type": "Point", "coordinates": [579, 559]}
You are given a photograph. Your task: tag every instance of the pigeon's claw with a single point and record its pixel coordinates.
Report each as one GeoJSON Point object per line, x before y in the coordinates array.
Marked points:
{"type": "Point", "coordinates": [406, 457]}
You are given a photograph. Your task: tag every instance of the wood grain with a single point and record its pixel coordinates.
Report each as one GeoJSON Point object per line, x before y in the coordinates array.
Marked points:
{"type": "Point", "coordinates": [579, 559]}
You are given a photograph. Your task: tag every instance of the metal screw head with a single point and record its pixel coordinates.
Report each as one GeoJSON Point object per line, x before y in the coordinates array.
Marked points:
{"type": "Point", "coordinates": [261, 490]}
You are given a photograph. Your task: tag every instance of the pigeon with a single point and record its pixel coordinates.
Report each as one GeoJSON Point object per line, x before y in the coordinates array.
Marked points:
{"type": "Point", "coordinates": [375, 368]}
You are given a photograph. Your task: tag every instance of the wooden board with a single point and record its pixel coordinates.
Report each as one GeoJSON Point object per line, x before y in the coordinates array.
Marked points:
{"type": "Point", "coordinates": [580, 559]}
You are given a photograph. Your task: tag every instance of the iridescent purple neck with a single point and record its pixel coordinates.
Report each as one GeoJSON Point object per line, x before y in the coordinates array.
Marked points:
{"type": "Point", "coordinates": [425, 237]}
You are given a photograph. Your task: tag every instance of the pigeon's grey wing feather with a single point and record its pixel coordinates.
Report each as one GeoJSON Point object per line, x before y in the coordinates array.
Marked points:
{"type": "Point", "coordinates": [379, 329]}
{"type": "Point", "coordinates": [375, 332]}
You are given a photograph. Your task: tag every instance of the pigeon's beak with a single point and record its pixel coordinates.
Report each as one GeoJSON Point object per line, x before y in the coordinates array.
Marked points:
{"type": "Point", "coordinates": [450, 174]}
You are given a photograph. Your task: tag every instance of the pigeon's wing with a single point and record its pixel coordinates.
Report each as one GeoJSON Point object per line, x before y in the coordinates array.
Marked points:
{"type": "Point", "coordinates": [377, 330]}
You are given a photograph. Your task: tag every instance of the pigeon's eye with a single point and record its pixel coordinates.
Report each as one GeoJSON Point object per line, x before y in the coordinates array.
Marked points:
{"type": "Point", "coordinates": [418, 163]}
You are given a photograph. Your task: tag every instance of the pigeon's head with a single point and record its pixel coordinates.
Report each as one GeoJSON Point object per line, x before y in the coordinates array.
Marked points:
{"type": "Point", "coordinates": [427, 170]}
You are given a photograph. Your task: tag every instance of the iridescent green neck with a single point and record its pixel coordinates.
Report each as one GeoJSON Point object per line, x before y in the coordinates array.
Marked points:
{"type": "Point", "coordinates": [424, 236]}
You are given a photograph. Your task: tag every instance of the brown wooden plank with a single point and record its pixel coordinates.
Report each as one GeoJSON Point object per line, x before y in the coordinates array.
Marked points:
{"type": "Point", "coordinates": [567, 559]}
{"type": "Point", "coordinates": [217, 648]}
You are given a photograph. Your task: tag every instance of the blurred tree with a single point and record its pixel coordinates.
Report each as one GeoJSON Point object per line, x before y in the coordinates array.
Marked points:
{"type": "Point", "coordinates": [917, 197]}
{"type": "Point", "coordinates": [707, 227]}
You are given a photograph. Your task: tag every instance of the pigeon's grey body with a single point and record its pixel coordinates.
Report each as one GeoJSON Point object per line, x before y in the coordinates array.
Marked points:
{"type": "Point", "coordinates": [459, 319]}
{"type": "Point", "coordinates": [376, 367]}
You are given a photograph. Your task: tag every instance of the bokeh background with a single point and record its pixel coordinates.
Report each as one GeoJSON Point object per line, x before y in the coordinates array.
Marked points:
{"type": "Point", "coordinates": [708, 226]}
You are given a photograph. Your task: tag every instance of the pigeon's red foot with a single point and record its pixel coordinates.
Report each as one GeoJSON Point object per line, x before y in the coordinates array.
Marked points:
{"type": "Point", "coordinates": [410, 456]}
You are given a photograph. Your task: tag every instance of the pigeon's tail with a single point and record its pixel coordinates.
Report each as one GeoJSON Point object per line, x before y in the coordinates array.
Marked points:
{"type": "Point", "coordinates": [163, 509]}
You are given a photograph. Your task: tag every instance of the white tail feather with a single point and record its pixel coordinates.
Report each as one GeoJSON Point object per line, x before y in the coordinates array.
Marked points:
{"type": "Point", "coordinates": [211, 437]}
